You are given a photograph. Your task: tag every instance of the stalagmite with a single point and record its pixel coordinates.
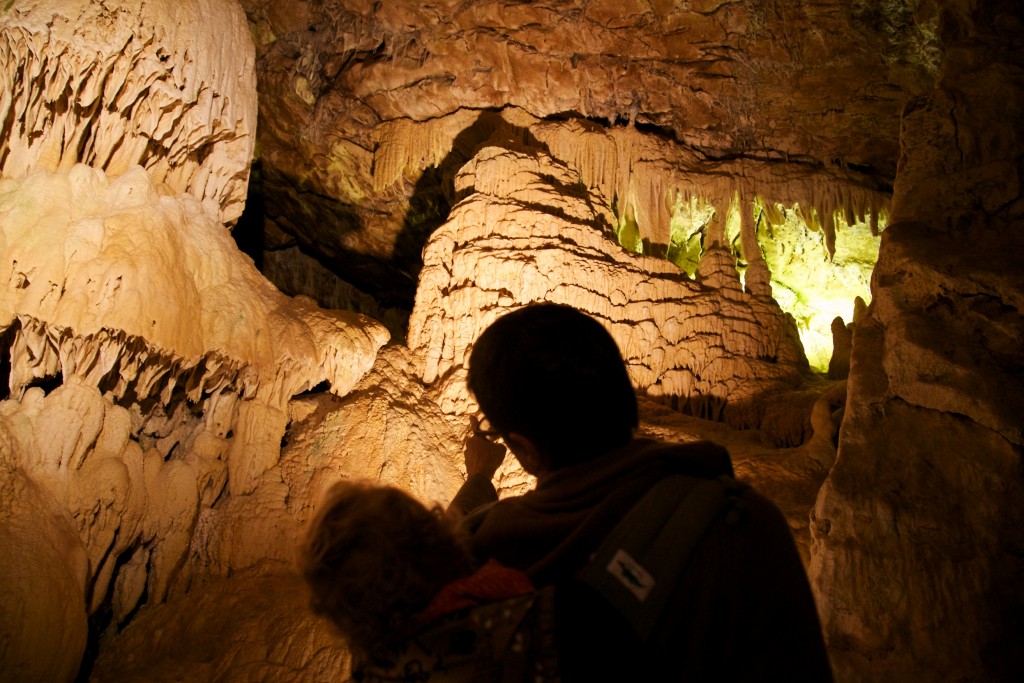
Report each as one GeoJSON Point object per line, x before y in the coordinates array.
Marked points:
{"type": "Point", "coordinates": [521, 236]}
{"type": "Point", "coordinates": [169, 363]}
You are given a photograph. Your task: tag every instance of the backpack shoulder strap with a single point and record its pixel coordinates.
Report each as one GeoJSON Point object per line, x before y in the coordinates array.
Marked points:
{"type": "Point", "coordinates": [639, 562]}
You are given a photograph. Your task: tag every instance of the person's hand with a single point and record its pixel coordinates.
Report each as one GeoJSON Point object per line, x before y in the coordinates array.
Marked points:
{"type": "Point", "coordinates": [483, 455]}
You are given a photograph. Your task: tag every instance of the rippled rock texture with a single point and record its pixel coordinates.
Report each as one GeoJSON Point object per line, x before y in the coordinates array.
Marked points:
{"type": "Point", "coordinates": [699, 175]}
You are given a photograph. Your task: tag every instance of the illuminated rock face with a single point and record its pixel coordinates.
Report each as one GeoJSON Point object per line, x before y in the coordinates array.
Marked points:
{"type": "Point", "coordinates": [148, 298]}
{"type": "Point", "coordinates": [917, 541]}
{"type": "Point", "coordinates": [168, 86]}
{"type": "Point", "coordinates": [528, 230]}
{"type": "Point", "coordinates": [45, 571]}
{"type": "Point", "coordinates": [175, 361]}
{"type": "Point", "coordinates": [253, 627]}
{"type": "Point", "coordinates": [148, 365]}
{"type": "Point", "coordinates": [797, 85]}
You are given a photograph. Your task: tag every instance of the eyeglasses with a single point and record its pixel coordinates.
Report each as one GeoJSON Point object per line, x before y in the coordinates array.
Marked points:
{"type": "Point", "coordinates": [484, 429]}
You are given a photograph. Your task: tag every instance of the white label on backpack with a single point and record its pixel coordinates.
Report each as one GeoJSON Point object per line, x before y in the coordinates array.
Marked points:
{"type": "Point", "coordinates": [630, 574]}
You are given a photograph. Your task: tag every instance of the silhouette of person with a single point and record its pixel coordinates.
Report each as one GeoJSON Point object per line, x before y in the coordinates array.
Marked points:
{"type": "Point", "coordinates": [552, 385]}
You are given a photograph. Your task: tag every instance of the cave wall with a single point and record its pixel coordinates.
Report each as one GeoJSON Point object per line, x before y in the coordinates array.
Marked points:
{"type": "Point", "coordinates": [114, 85]}
{"type": "Point", "coordinates": [148, 364]}
{"type": "Point", "coordinates": [793, 89]}
{"type": "Point", "coordinates": [158, 477]}
{"type": "Point", "coordinates": [917, 542]}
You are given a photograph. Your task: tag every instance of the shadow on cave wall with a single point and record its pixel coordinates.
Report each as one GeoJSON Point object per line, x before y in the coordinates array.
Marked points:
{"type": "Point", "coordinates": [278, 210]}
{"type": "Point", "coordinates": [279, 207]}
{"type": "Point", "coordinates": [434, 194]}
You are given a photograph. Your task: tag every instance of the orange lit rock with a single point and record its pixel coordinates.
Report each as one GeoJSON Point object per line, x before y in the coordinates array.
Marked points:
{"type": "Point", "coordinates": [44, 572]}
{"type": "Point", "coordinates": [528, 230]}
{"type": "Point", "coordinates": [249, 628]}
{"type": "Point", "coordinates": [169, 86]}
{"type": "Point", "coordinates": [171, 353]}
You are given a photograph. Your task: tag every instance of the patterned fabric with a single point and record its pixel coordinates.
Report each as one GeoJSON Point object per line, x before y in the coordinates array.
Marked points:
{"type": "Point", "coordinates": [508, 641]}
{"type": "Point", "coordinates": [490, 583]}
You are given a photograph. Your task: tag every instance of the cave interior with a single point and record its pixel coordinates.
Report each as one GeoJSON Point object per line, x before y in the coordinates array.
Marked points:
{"type": "Point", "coordinates": [248, 246]}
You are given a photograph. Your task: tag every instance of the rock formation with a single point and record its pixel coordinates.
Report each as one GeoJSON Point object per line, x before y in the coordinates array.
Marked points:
{"type": "Point", "coordinates": [119, 84]}
{"type": "Point", "coordinates": [917, 546]}
{"type": "Point", "coordinates": [366, 119]}
{"type": "Point", "coordinates": [529, 230]}
{"type": "Point", "coordinates": [148, 364]}
{"type": "Point", "coordinates": [169, 362]}
{"type": "Point", "coordinates": [700, 176]}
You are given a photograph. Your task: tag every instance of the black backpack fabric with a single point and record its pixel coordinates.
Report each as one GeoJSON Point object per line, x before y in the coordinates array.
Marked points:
{"type": "Point", "coordinates": [623, 590]}
{"type": "Point", "coordinates": [639, 563]}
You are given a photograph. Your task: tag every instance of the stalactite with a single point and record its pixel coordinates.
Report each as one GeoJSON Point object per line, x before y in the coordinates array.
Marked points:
{"type": "Point", "coordinates": [132, 90]}
{"type": "Point", "coordinates": [407, 148]}
{"type": "Point", "coordinates": [748, 229]}
{"type": "Point", "coordinates": [639, 176]}
{"type": "Point", "coordinates": [505, 246]}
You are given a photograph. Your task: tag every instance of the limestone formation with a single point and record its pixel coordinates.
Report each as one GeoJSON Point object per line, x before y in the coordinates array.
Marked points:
{"type": "Point", "coordinates": [118, 84]}
{"type": "Point", "coordinates": [252, 627]}
{"type": "Point", "coordinates": [296, 273]}
{"type": "Point", "coordinates": [45, 573]}
{"type": "Point", "coordinates": [388, 429]}
{"type": "Point", "coordinates": [639, 174]}
{"type": "Point", "coordinates": [173, 361]}
{"type": "Point", "coordinates": [527, 230]}
{"type": "Point", "coordinates": [751, 89]}
{"type": "Point", "coordinates": [917, 540]}
{"type": "Point", "coordinates": [683, 171]}
{"type": "Point", "coordinates": [842, 345]}
{"type": "Point", "coordinates": [111, 308]}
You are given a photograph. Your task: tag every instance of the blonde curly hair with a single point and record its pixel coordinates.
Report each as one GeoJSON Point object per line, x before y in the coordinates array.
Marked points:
{"type": "Point", "coordinates": [373, 556]}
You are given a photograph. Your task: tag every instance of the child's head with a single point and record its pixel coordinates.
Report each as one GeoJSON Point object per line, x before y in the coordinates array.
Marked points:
{"type": "Point", "coordinates": [374, 557]}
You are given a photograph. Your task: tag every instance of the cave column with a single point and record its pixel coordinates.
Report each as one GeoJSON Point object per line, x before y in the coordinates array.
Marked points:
{"type": "Point", "coordinates": [916, 541]}
{"type": "Point", "coordinates": [757, 278]}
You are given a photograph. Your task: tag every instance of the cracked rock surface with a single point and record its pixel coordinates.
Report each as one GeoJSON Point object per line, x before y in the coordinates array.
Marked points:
{"type": "Point", "coordinates": [528, 230]}
{"type": "Point", "coordinates": [170, 418]}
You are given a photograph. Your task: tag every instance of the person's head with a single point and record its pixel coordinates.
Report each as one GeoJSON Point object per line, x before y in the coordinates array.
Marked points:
{"type": "Point", "coordinates": [373, 557]}
{"type": "Point", "coordinates": [555, 376]}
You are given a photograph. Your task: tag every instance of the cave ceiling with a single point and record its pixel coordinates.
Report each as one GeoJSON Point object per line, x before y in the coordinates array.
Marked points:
{"type": "Point", "coordinates": [749, 89]}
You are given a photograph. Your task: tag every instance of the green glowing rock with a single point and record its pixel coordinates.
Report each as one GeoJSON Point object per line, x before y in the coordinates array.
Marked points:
{"type": "Point", "coordinates": [809, 285]}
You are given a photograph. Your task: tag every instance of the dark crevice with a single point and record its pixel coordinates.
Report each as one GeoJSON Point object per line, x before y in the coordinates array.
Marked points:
{"type": "Point", "coordinates": [98, 623]}
{"type": "Point", "coordinates": [102, 619]}
{"type": "Point", "coordinates": [320, 388]}
{"type": "Point", "coordinates": [249, 230]}
{"type": "Point", "coordinates": [47, 383]}
{"type": "Point", "coordinates": [6, 342]}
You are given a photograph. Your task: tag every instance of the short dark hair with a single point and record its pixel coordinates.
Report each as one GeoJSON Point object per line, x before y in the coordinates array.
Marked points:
{"type": "Point", "coordinates": [556, 376]}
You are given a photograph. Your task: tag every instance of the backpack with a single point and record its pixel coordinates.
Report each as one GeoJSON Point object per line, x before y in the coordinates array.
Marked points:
{"type": "Point", "coordinates": [508, 641]}
{"type": "Point", "coordinates": [639, 562]}
{"type": "Point", "coordinates": [634, 571]}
